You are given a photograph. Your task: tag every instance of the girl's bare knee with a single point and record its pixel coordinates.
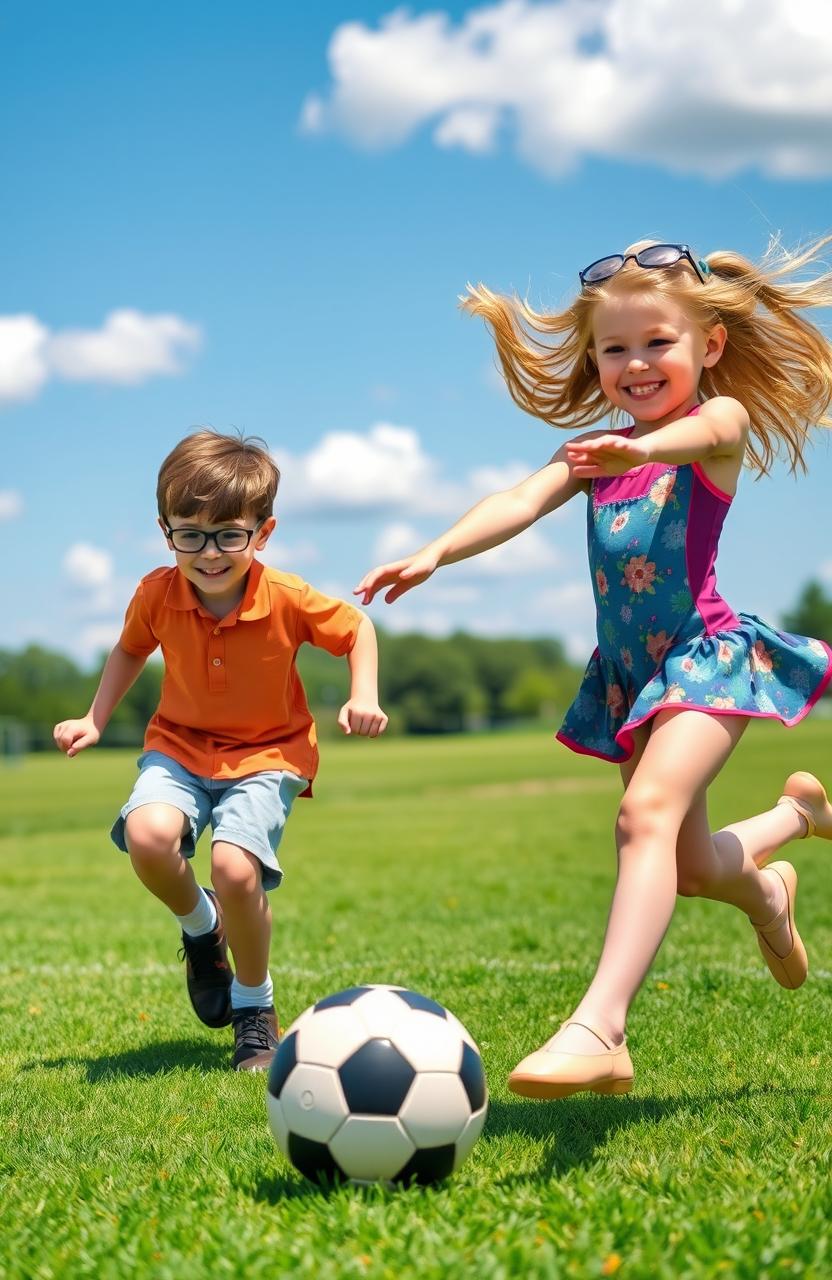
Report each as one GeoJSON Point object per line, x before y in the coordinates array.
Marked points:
{"type": "Point", "coordinates": [690, 884]}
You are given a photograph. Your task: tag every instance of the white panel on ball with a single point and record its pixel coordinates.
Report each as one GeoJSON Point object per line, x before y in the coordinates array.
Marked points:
{"type": "Point", "coordinates": [330, 1036]}
{"type": "Point", "coordinates": [428, 1042]}
{"type": "Point", "coordinates": [469, 1135]}
{"type": "Point", "coordinates": [371, 1147]}
{"type": "Point", "coordinates": [436, 1109]}
{"type": "Point", "coordinates": [381, 1012]}
{"type": "Point", "coordinates": [277, 1123]}
{"type": "Point", "coordinates": [313, 1102]}
{"type": "Point", "coordinates": [462, 1029]}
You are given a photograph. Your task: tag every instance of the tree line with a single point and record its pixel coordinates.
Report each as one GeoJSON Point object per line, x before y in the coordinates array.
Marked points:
{"type": "Point", "coordinates": [427, 685]}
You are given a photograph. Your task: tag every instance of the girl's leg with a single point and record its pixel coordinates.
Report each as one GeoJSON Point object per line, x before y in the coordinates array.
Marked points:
{"type": "Point", "coordinates": [153, 834]}
{"type": "Point", "coordinates": [683, 754]}
{"type": "Point", "coordinates": [727, 866]}
{"type": "Point", "coordinates": [235, 874]}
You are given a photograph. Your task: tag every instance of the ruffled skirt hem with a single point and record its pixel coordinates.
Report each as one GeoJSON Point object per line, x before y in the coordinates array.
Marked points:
{"type": "Point", "coordinates": [752, 671]}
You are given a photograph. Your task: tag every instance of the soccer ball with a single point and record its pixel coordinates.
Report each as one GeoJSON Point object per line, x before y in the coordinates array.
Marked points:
{"type": "Point", "coordinates": [377, 1083]}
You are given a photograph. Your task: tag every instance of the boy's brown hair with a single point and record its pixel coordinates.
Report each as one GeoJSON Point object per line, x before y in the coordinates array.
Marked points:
{"type": "Point", "coordinates": [220, 477]}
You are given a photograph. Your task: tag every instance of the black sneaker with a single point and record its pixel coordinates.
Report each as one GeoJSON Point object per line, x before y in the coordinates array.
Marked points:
{"type": "Point", "coordinates": [255, 1038]}
{"type": "Point", "coordinates": [208, 973]}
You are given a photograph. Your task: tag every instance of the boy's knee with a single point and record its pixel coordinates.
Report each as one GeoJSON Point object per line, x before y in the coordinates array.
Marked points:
{"type": "Point", "coordinates": [153, 831]}
{"type": "Point", "coordinates": [234, 871]}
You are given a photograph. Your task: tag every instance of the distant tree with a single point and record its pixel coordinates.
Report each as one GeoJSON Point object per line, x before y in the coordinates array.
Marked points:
{"type": "Point", "coordinates": [432, 684]}
{"type": "Point", "coordinates": [500, 664]}
{"type": "Point", "coordinates": [812, 613]}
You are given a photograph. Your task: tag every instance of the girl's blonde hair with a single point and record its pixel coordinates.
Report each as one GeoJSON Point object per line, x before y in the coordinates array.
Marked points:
{"type": "Point", "coordinates": [775, 362]}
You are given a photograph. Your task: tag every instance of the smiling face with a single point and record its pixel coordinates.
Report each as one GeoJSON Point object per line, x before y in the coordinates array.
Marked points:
{"type": "Point", "coordinates": [219, 577]}
{"type": "Point", "coordinates": [650, 355]}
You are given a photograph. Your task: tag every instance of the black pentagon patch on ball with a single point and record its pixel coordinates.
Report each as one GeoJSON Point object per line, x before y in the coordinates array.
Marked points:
{"type": "Point", "coordinates": [376, 1079]}
{"type": "Point", "coordinates": [431, 1164]}
{"type": "Point", "coordinates": [314, 1159]}
{"type": "Point", "coordinates": [472, 1075]}
{"type": "Point", "coordinates": [348, 996]}
{"type": "Point", "coordinates": [284, 1061]}
{"type": "Point", "coordinates": [416, 1001]}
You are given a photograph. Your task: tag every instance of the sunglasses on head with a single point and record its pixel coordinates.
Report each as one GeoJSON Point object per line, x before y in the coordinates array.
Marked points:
{"type": "Point", "coordinates": [655, 255]}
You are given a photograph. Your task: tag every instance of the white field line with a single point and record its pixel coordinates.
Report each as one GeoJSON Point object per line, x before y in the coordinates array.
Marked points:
{"type": "Point", "coordinates": [491, 964]}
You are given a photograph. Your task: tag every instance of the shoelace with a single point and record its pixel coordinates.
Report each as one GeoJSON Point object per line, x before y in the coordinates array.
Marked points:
{"type": "Point", "coordinates": [254, 1031]}
{"type": "Point", "coordinates": [204, 954]}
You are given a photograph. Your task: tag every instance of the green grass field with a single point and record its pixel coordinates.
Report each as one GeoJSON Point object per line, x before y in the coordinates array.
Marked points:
{"type": "Point", "coordinates": [477, 870]}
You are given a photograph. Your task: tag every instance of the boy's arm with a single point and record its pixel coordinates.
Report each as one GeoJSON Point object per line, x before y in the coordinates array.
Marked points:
{"type": "Point", "coordinates": [361, 713]}
{"type": "Point", "coordinates": [718, 430]}
{"type": "Point", "coordinates": [121, 670]}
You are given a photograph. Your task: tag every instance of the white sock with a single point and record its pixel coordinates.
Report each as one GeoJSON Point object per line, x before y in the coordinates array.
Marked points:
{"type": "Point", "coordinates": [202, 919]}
{"type": "Point", "coordinates": [261, 997]}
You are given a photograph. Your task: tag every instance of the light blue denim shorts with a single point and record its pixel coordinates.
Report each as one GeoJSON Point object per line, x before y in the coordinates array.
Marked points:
{"type": "Point", "coordinates": [250, 812]}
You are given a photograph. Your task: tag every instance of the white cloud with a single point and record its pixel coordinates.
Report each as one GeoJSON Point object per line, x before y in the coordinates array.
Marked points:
{"type": "Point", "coordinates": [568, 611]}
{"type": "Point", "coordinates": [90, 572]}
{"type": "Point", "coordinates": [129, 348]}
{"type": "Point", "coordinates": [825, 571]}
{"type": "Point", "coordinates": [384, 470]}
{"type": "Point", "coordinates": [88, 566]}
{"type": "Point", "coordinates": [11, 504]}
{"type": "Point", "coordinates": [347, 473]}
{"type": "Point", "coordinates": [641, 80]}
{"type": "Point", "coordinates": [426, 622]}
{"type": "Point", "coordinates": [395, 541]}
{"type": "Point", "coordinates": [288, 557]}
{"type": "Point", "coordinates": [96, 638]}
{"type": "Point", "coordinates": [23, 365]}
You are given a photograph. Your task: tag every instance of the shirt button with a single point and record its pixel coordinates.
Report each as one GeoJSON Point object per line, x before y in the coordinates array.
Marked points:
{"type": "Point", "coordinates": [217, 662]}
{"type": "Point", "coordinates": [216, 631]}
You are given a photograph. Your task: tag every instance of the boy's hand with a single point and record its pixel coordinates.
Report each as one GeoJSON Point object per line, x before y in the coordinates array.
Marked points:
{"type": "Point", "coordinates": [71, 736]}
{"type": "Point", "coordinates": [402, 574]}
{"type": "Point", "coordinates": [609, 455]}
{"type": "Point", "coordinates": [365, 718]}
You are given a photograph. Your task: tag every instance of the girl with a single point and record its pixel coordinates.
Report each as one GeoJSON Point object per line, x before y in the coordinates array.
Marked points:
{"type": "Point", "coordinates": [715, 366]}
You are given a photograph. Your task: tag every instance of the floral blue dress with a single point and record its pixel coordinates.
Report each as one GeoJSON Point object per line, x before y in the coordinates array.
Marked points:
{"type": "Point", "coordinates": [666, 638]}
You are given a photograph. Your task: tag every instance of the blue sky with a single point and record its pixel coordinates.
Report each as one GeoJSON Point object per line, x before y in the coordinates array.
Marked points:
{"type": "Point", "coordinates": [261, 217]}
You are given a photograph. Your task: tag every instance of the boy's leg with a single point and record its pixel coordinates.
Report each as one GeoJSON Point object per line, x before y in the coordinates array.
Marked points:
{"type": "Point", "coordinates": [237, 877]}
{"type": "Point", "coordinates": [153, 834]}
{"type": "Point", "coordinates": [158, 827]}
{"type": "Point", "coordinates": [248, 822]}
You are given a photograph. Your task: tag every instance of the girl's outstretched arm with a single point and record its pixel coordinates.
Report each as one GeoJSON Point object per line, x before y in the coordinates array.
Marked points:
{"type": "Point", "coordinates": [718, 430]}
{"type": "Point", "coordinates": [492, 521]}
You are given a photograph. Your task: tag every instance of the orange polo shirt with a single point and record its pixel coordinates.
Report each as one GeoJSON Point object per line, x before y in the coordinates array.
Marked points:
{"type": "Point", "coordinates": [232, 701]}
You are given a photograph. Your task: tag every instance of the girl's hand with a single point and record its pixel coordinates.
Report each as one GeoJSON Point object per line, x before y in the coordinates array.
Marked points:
{"type": "Point", "coordinates": [403, 574]}
{"type": "Point", "coordinates": [364, 718]}
{"type": "Point", "coordinates": [71, 736]}
{"type": "Point", "coordinates": [609, 455]}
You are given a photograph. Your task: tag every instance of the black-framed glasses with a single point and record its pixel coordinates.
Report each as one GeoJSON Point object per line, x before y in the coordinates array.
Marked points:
{"type": "Point", "coordinates": [194, 540]}
{"type": "Point", "coordinates": [655, 255]}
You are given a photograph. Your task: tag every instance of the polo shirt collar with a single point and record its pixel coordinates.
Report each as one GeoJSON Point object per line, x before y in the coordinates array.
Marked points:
{"type": "Point", "coordinates": [256, 602]}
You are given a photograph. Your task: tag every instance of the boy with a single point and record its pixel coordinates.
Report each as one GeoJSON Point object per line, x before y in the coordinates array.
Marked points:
{"type": "Point", "coordinates": [232, 741]}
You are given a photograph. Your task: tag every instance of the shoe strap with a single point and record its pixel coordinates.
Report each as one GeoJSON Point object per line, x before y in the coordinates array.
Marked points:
{"type": "Point", "coordinates": [573, 1022]}
{"type": "Point", "coordinates": [782, 917]}
{"type": "Point", "coordinates": [803, 810]}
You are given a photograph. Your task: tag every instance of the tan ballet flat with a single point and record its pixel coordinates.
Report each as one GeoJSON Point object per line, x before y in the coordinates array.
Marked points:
{"type": "Point", "coordinates": [805, 793]}
{"type": "Point", "coordinates": [791, 970]}
{"type": "Point", "coordinates": [549, 1073]}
